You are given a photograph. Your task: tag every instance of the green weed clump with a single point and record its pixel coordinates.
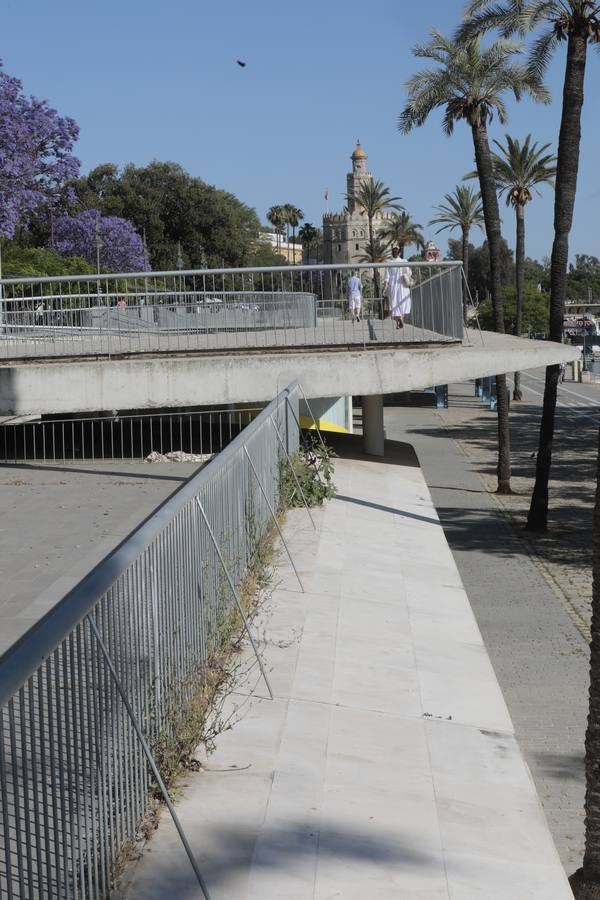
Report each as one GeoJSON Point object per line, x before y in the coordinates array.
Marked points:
{"type": "Point", "coordinates": [308, 472]}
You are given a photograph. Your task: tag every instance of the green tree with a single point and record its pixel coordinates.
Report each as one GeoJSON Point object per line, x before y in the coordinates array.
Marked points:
{"type": "Point", "coordinates": [479, 267]}
{"type": "Point", "coordinates": [308, 235]}
{"type": "Point", "coordinates": [294, 216]}
{"type": "Point", "coordinates": [462, 209]}
{"type": "Point", "coordinates": [402, 231]}
{"type": "Point", "coordinates": [519, 169]}
{"type": "Point", "coordinates": [170, 207]}
{"type": "Point", "coordinates": [470, 83]}
{"type": "Point", "coordinates": [583, 278]}
{"type": "Point", "coordinates": [277, 217]}
{"type": "Point", "coordinates": [576, 22]}
{"type": "Point", "coordinates": [534, 309]}
{"type": "Point", "coordinates": [33, 262]}
{"type": "Point", "coordinates": [372, 198]}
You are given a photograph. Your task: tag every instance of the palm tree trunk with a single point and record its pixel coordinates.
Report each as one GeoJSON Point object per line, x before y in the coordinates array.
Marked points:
{"type": "Point", "coordinates": [465, 262]}
{"type": "Point", "coordinates": [376, 280]}
{"type": "Point", "coordinates": [520, 279]}
{"type": "Point", "coordinates": [590, 873]}
{"type": "Point", "coordinates": [401, 248]}
{"type": "Point", "coordinates": [491, 214]}
{"type": "Point", "coordinates": [564, 200]}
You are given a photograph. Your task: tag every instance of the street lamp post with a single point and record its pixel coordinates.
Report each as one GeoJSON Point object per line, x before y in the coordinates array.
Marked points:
{"type": "Point", "coordinates": [98, 242]}
{"type": "Point", "coordinates": [179, 263]}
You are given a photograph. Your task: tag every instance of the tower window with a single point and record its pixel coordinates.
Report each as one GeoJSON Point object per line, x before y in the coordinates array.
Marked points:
{"type": "Point", "coordinates": [356, 246]}
{"type": "Point", "coordinates": [339, 246]}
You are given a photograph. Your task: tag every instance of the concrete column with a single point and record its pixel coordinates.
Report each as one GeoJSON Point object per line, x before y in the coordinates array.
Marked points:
{"type": "Point", "coordinates": [373, 434]}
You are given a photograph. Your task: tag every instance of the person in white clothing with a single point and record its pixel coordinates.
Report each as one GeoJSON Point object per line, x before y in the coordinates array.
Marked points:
{"type": "Point", "coordinates": [396, 287]}
{"type": "Point", "coordinates": [354, 294]}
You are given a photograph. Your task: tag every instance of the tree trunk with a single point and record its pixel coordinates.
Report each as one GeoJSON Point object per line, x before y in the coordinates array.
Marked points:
{"type": "Point", "coordinates": [520, 279]}
{"type": "Point", "coordinates": [465, 262]}
{"type": "Point", "coordinates": [564, 200]}
{"type": "Point", "coordinates": [376, 279]}
{"type": "Point", "coordinates": [587, 879]}
{"type": "Point", "coordinates": [401, 249]}
{"type": "Point", "coordinates": [491, 214]}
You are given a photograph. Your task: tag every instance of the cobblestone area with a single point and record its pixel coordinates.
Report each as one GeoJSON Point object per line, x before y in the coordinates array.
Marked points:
{"type": "Point", "coordinates": [564, 554]}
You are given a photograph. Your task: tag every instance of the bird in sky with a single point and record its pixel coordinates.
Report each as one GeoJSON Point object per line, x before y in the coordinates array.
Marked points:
{"type": "Point", "coordinates": [240, 63]}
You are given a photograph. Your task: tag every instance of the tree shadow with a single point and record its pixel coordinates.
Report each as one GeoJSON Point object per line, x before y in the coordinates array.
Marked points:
{"type": "Point", "coordinates": [562, 766]}
{"type": "Point", "coordinates": [292, 849]}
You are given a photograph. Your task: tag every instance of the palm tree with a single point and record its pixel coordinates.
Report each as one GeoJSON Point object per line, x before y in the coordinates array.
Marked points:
{"type": "Point", "coordinates": [372, 198]}
{"type": "Point", "coordinates": [578, 23]}
{"type": "Point", "coordinates": [463, 209]}
{"type": "Point", "coordinates": [469, 83]}
{"type": "Point", "coordinates": [518, 170]}
{"type": "Point", "coordinates": [294, 216]}
{"type": "Point", "coordinates": [401, 230]}
{"type": "Point", "coordinates": [378, 252]}
{"type": "Point", "coordinates": [307, 234]}
{"type": "Point", "coordinates": [276, 216]}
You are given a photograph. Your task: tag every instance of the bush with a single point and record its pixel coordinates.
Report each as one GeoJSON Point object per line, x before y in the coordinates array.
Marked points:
{"type": "Point", "coordinates": [312, 469]}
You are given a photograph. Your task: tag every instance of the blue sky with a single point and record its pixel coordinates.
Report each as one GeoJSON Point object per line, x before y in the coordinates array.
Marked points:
{"type": "Point", "coordinates": [158, 80]}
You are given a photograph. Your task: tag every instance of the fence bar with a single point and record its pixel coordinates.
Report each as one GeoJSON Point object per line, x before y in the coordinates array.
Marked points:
{"type": "Point", "coordinates": [296, 479]}
{"type": "Point", "coordinates": [149, 756]}
{"type": "Point", "coordinates": [219, 309]}
{"type": "Point", "coordinates": [274, 517]}
{"type": "Point", "coordinates": [236, 597]}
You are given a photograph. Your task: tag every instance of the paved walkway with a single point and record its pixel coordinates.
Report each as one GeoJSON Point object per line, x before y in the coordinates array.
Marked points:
{"type": "Point", "coordinates": [386, 767]}
{"type": "Point", "coordinates": [521, 602]}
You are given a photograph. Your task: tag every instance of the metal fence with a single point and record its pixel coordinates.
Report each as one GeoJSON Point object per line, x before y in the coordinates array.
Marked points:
{"type": "Point", "coordinates": [74, 782]}
{"type": "Point", "coordinates": [122, 437]}
{"type": "Point", "coordinates": [220, 309]}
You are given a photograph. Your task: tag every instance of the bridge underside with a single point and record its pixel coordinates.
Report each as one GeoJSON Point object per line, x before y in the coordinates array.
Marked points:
{"type": "Point", "coordinates": [173, 380]}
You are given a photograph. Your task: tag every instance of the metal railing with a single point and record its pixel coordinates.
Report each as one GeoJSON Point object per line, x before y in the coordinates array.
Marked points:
{"type": "Point", "coordinates": [221, 309]}
{"type": "Point", "coordinates": [74, 781]}
{"type": "Point", "coordinates": [122, 437]}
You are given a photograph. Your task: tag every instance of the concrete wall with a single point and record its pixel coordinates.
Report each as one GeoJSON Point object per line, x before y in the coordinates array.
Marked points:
{"type": "Point", "coordinates": [171, 380]}
{"type": "Point", "coordinates": [331, 413]}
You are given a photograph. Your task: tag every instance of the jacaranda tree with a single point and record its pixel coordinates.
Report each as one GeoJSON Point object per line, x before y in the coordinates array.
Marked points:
{"type": "Point", "coordinates": [36, 157]}
{"type": "Point", "coordinates": [121, 247]}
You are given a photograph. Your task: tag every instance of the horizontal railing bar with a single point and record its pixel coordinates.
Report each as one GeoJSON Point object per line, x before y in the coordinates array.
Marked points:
{"type": "Point", "coordinates": [22, 659]}
{"type": "Point", "coordinates": [184, 273]}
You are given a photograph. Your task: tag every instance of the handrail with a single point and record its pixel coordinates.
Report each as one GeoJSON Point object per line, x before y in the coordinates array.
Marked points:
{"type": "Point", "coordinates": [175, 273]}
{"type": "Point", "coordinates": [22, 659]}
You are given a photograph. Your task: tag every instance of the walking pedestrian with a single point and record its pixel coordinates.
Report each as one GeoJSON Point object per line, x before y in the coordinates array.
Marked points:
{"type": "Point", "coordinates": [397, 282]}
{"type": "Point", "coordinates": [354, 294]}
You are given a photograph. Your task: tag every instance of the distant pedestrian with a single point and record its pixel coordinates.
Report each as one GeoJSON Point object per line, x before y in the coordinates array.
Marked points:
{"type": "Point", "coordinates": [121, 302]}
{"type": "Point", "coordinates": [397, 282]}
{"type": "Point", "coordinates": [561, 372]}
{"type": "Point", "coordinates": [354, 294]}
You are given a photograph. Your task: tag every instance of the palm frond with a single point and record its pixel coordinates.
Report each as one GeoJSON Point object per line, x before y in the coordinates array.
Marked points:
{"type": "Point", "coordinates": [463, 209]}
{"type": "Point", "coordinates": [541, 52]}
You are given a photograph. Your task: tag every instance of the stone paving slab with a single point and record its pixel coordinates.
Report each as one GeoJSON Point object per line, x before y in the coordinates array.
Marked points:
{"type": "Point", "coordinates": [387, 766]}
{"type": "Point", "coordinates": [536, 644]}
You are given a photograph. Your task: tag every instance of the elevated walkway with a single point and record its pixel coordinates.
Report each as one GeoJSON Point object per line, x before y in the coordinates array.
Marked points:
{"type": "Point", "coordinates": [250, 375]}
{"type": "Point", "coordinates": [386, 767]}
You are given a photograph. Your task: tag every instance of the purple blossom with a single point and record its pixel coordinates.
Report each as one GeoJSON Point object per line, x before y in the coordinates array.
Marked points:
{"type": "Point", "coordinates": [121, 247]}
{"type": "Point", "coordinates": [35, 153]}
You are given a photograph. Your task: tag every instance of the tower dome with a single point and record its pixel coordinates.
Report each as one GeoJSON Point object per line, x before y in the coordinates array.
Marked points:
{"type": "Point", "coordinates": [359, 153]}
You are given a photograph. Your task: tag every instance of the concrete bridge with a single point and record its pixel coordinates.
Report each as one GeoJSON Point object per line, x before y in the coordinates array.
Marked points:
{"type": "Point", "coordinates": [175, 339]}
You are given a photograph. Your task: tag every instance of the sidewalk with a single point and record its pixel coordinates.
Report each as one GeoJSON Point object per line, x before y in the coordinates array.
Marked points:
{"type": "Point", "coordinates": [530, 630]}
{"type": "Point", "coordinates": [387, 765]}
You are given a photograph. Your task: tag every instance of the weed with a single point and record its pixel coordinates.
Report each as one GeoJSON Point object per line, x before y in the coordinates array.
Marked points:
{"type": "Point", "coordinates": [312, 469]}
